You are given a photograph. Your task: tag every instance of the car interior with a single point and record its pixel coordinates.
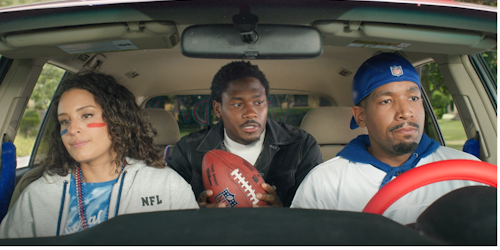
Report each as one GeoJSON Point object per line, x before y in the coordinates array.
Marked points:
{"type": "Point", "coordinates": [167, 53]}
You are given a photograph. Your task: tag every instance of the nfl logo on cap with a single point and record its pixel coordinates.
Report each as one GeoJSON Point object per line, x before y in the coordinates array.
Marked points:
{"type": "Point", "coordinates": [373, 73]}
{"type": "Point", "coordinates": [397, 71]}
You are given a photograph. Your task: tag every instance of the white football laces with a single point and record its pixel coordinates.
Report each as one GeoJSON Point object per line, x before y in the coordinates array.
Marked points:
{"type": "Point", "coordinates": [245, 185]}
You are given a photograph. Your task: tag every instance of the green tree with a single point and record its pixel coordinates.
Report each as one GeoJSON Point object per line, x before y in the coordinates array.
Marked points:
{"type": "Point", "coordinates": [46, 85]}
{"type": "Point", "coordinates": [5, 3]}
{"type": "Point", "coordinates": [30, 122]}
{"type": "Point", "coordinates": [483, 2]}
{"type": "Point", "coordinates": [439, 102]}
{"type": "Point", "coordinates": [432, 80]}
{"type": "Point", "coordinates": [433, 84]}
{"type": "Point", "coordinates": [490, 57]}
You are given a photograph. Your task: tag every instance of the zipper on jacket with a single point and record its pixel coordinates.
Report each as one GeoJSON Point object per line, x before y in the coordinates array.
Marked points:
{"type": "Point", "coordinates": [120, 193]}
{"type": "Point", "coordinates": [62, 207]}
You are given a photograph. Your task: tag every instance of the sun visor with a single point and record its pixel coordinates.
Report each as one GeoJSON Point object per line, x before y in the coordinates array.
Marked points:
{"type": "Point", "coordinates": [87, 39]}
{"type": "Point", "coordinates": [267, 42]}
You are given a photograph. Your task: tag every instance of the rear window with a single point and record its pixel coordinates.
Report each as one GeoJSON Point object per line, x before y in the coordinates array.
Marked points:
{"type": "Point", "coordinates": [194, 112]}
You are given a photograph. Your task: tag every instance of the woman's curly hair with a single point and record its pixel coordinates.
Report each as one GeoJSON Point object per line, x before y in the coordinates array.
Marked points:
{"type": "Point", "coordinates": [128, 125]}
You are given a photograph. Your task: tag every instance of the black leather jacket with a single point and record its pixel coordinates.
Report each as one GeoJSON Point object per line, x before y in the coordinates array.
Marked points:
{"type": "Point", "coordinates": [288, 154]}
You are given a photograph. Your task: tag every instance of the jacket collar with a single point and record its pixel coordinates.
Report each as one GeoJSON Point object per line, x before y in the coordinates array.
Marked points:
{"type": "Point", "coordinates": [213, 138]}
{"type": "Point", "coordinates": [275, 135]}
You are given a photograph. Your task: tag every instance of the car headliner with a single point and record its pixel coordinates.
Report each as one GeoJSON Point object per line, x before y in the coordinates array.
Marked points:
{"type": "Point", "coordinates": [432, 31]}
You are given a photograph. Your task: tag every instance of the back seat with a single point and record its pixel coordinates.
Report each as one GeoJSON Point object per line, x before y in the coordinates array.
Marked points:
{"type": "Point", "coordinates": [167, 128]}
{"type": "Point", "coordinates": [330, 127]}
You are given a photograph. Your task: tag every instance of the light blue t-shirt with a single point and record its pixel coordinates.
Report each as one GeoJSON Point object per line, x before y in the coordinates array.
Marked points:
{"type": "Point", "coordinates": [96, 201]}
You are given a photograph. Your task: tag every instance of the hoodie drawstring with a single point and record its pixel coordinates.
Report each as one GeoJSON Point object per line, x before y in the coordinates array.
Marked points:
{"type": "Point", "coordinates": [62, 207]}
{"type": "Point", "coordinates": [120, 193]}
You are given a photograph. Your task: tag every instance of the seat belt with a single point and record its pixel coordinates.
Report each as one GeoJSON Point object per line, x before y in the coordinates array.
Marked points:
{"type": "Point", "coordinates": [167, 152]}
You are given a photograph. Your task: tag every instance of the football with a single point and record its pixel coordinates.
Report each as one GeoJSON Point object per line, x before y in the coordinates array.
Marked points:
{"type": "Point", "coordinates": [233, 180]}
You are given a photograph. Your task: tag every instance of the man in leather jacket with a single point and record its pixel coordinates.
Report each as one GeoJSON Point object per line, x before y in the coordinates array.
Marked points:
{"type": "Point", "coordinates": [281, 153]}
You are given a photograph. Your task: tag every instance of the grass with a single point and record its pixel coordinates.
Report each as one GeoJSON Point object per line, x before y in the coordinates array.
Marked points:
{"type": "Point", "coordinates": [24, 145]}
{"type": "Point", "coordinates": [453, 133]}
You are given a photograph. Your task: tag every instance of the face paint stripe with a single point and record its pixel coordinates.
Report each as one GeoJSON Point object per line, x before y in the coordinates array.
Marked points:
{"type": "Point", "coordinates": [64, 132]}
{"type": "Point", "coordinates": [96, 125]}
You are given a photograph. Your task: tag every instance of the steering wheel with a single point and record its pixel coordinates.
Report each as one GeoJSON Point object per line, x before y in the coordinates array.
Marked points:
{"type": "Point", "coordinates": [412, 179]}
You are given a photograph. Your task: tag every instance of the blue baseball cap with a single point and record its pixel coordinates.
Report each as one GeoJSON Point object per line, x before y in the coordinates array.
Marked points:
{"type": "Point", "coordinates": [379, 70]}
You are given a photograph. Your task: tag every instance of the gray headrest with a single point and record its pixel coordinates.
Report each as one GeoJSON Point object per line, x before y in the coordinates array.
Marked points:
{"type": "Point", "coordinates": [166, 126]}
{"type": "Point", "coordinates": [330, 125]}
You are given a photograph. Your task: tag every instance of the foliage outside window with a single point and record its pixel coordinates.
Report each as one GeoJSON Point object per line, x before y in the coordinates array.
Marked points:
{"type": "Point", "coordinates": [37, 107]}
{"type": "Point", "coordinates": [442, 104]}
{"type": "Point", "coordinates": [433, 83]}
{"type": "Point", "coordinates": [5, 3]}
{"type": "Point", "coordinates": [490, 57]}
{"type": "Point", "coordinates": [483, 2]}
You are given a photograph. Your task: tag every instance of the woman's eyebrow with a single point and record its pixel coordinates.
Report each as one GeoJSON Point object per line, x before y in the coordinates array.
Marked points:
{"type": "Point", "coordinates": [78, 109]}
{"type": "Point", "coordinates": [84, 107]}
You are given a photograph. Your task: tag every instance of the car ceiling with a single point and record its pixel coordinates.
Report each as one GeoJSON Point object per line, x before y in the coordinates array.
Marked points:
{"type": "Point", "coordinates": [161, 68]}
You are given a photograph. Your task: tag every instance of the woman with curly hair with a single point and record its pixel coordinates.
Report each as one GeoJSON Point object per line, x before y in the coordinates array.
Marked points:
{"type": "Point", "coordinates": [101, 163]}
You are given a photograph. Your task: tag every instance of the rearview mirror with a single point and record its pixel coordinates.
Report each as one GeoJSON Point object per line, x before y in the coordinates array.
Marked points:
{"type": "Point", "coordinates": [273, 42]}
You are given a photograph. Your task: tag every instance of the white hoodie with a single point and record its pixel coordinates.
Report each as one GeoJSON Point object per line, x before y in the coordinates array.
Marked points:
{"type": "Point", "coordinates": [43, 207]}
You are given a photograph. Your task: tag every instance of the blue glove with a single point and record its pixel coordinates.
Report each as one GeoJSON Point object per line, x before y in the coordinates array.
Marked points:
{"type": "Point", "coordinates": [471, 146]}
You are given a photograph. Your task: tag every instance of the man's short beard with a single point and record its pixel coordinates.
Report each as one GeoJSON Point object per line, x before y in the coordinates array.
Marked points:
{"type": "Point", "coordinates": [251, 143]}
{"type": "Point", "coordinates": [404, 148]}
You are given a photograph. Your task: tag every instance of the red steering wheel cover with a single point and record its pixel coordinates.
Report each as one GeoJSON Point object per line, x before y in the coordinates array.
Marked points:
{"type": "Point", "coordinates": [412, 179]}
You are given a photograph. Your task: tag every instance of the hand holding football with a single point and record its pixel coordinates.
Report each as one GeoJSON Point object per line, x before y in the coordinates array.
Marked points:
{"type": "Point", "coordinates": [233, 180]}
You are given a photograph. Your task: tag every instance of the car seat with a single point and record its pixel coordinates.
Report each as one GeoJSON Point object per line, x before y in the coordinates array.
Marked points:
{"type": "Point", "coordinates": [330, 127]}
{"type": "Point", "coordinates": [27, 178]}
{"type": "Point", "coordinates": [167, 128]}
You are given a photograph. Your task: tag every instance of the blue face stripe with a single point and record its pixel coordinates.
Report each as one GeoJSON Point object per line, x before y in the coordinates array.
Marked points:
{"type": "Point", "coordinates": [64, 132]}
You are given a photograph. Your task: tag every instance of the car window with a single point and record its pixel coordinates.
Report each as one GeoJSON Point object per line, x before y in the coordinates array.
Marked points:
{"type": "Point", "coordinates": [443, 106]}
{"type": "Point", "coordinates": [194, 112]}
{"type": "Point", "coordinates": [4, 66]}
{"type": "Point", "coordinates": [34, 113]}
{"type": "Point", "coordinates": [490, 58]}
{"type": "Point", "coordinates": [8, 3]}
{"type": "Point", "coordinates": [485, 64]}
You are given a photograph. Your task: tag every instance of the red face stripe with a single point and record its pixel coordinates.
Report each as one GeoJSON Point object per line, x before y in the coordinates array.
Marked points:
{"type": "Point", "coordinates": [96, 125]}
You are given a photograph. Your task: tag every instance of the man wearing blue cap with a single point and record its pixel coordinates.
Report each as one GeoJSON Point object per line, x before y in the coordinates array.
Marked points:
{"type": "Point", "coordinates": [388, 102]}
